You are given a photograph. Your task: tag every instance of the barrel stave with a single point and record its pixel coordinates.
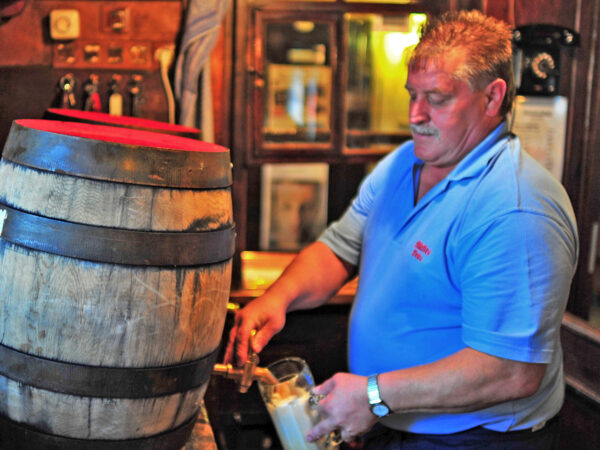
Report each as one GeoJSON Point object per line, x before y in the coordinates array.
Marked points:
{"type": "Point", "coordinates": [118, 205]}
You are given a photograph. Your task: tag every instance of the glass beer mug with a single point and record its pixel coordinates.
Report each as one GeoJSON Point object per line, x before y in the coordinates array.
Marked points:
{"type": "Point", "coordinates": [291, 407]}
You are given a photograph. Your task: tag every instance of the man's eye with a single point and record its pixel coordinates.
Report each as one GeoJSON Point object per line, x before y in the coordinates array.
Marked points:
{"type": "Point", "coordinates": [437, 100]}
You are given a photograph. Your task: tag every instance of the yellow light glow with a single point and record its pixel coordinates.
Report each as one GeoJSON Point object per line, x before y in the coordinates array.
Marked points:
{"type": "Point", "coordinates": [416, 20]}
{"type": "Point", "coordinates": [395, 43]}
{"type": "Point", "coordinates": [304, 26]}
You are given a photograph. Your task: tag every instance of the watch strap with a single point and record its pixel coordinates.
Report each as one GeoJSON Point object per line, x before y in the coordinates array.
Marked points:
{"type": "Point", "coordinates": [378, 406]}
{"type": "Point", "coordinates": [373, 390]}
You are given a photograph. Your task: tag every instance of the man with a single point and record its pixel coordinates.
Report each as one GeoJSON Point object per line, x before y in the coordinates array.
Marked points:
{"type": "Point", "coordinates": [465, 249]}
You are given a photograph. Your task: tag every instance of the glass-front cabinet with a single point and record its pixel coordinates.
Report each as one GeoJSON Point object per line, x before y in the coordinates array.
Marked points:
{"type": "Point", "coordinates": [329, 82]}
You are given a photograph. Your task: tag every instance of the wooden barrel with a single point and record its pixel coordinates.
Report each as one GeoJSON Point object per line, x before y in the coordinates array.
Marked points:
{"type": "Point", "coordinates": [137, 123]}
{"type": "Point", "coordinates": [115, 270]}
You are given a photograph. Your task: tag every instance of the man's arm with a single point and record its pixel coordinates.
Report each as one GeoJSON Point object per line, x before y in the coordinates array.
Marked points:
{"type": "Point", "coordinates": [465, 381]}
{"type": "Point", "coordinates": [312, 278]}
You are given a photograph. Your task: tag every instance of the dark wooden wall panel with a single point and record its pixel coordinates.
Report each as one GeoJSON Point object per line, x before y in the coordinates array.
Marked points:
{"type": "Point", "coordinates": [579, 423]}
{"type": "Point", "coordinates": [560, 12]}
{"type": "Point", "coordinates": [582, 356]}
{"type": "Point", "coordinates": [24, 38]}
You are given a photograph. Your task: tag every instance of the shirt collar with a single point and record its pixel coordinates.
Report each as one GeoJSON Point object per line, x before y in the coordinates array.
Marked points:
{"type": "Point", "coordinates": [478, 158]}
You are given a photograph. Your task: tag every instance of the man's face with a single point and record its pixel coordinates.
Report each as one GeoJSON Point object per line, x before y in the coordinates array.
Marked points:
{"type": "Point", "coordinates": [447, 118]}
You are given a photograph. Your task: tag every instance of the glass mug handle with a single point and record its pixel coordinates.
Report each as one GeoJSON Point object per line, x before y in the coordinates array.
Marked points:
{"type": "Point", "coordinates": [334, 439]}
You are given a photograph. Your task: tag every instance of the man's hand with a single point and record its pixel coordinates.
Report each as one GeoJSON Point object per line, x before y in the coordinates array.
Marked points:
{"type": "Point", "coordinates": [266, 316]}
{"type": "Point", "coordinates": [312, 278]}
{"type": "Point", "coordinates": [344, 408]}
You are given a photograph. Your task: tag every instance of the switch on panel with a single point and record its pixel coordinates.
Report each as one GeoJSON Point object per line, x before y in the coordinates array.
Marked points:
{"type": "Point", "coordinates": [115, 20]}
{"type": "Point", "coordinates": [64, 24]}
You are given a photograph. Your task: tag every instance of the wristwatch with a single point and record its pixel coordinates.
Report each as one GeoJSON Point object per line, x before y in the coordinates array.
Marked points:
{"type": "Point", "coordinates": [378, 407]}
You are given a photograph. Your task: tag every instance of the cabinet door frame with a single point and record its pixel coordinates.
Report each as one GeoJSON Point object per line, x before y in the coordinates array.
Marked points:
{"type": "Point", "coordinates": [261, 150]}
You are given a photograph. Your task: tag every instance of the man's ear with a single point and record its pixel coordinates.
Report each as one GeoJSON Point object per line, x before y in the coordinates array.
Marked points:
{"type": "Point", "coordinates": [494, 96]}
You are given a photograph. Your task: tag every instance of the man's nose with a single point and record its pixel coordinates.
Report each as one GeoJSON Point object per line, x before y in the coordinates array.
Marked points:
{"type": "Point", "coordinates": [418, 112]}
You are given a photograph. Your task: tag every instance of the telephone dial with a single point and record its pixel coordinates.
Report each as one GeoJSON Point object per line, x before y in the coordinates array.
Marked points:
{"type": "Point", "coordinates": [537, 57]}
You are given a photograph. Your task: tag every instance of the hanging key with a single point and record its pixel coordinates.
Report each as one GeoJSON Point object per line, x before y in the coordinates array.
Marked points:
{"type": "Point", "coordinates": [135, 90]}
{"type": "Point", "coordinates": [67, 87]}
{"type": "Point", "coordinates": [92, 100]}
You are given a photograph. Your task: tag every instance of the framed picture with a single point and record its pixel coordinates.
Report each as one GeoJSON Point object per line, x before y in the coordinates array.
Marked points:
{"type": "Point", "coordinates": [298, 98]}
{"type": "Point", "coordinates": [293, 205]}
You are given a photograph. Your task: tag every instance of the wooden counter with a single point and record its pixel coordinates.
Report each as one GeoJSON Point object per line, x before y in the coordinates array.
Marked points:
{"type": "Point", "coordinates": [202, 437]}
{"type": "Point", "coordinates": [261, 269]}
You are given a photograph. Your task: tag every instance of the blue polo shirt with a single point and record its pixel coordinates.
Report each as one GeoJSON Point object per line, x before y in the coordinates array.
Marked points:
{"type": "Point", "coordinates": [485, 260]}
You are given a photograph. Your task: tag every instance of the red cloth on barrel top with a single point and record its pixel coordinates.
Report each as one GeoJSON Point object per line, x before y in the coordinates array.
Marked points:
{"type": "Point", "coordinates": [121, 135]}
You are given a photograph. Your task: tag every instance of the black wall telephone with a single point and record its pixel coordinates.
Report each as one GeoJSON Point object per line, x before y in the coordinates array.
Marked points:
{"type": "Point", "coordinates": [537, 57]}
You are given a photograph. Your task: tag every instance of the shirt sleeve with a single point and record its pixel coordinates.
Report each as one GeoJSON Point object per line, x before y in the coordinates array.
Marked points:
{"type": "Point", "coordinates": [344, 236]}
{"type": "Point", "coordinates": [515, 274]}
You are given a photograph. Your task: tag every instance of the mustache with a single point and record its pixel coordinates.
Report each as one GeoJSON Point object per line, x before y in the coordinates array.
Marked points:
{"type": "Point", "coordinates": [425, 130]}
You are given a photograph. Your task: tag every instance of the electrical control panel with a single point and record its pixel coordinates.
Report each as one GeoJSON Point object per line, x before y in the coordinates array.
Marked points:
{"type": "Point", "coordinates": [117, 35]}
{"type": "Point", "coordinates": [82, 34]}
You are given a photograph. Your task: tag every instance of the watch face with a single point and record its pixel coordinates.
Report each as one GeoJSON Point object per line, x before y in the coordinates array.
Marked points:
{"type": "Point", "coordinates": [380, 410]}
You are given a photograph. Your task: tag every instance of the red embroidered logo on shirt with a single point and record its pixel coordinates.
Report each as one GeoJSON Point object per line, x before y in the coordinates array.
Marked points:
{"type": "Point", "coordinates": [420, 250]}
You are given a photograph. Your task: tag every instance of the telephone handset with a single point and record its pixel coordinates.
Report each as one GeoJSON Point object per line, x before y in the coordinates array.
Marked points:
{"type": "Point", "coordinates": [537, 57]}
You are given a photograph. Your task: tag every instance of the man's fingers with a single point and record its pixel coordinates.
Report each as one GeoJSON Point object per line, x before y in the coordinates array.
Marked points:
{"type": "Point", "coordinates": [262, 337]}
{"type": "Point", "coordinates": [323, 428]}
{"type": "Point", "coordinates": [324, 388]}
{"type": "Point", "coordinates": [241, 346]}
{"type": "Point", "coordinates": [236, 352]}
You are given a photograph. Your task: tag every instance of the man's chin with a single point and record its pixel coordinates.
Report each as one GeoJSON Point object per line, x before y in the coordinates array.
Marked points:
{"type": "Point", "coordinates": [424, 140]}
{"type": "Point", "coordinates": [424, 149]}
